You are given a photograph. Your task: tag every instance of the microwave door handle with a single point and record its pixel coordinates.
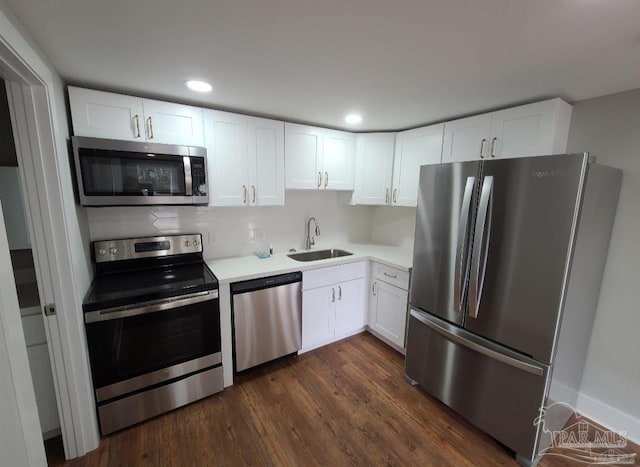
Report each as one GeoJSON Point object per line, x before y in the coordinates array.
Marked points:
{"type": "Point", "coordinates": [188, 181]}
{"type": "Point", "coordinates": [481, 246]}
{"type": "Point", "coordinates": [462, 253]}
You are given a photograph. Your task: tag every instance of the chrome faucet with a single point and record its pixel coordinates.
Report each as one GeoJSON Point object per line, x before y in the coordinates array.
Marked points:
{"type": "Point", "coordinates": [310, 240]}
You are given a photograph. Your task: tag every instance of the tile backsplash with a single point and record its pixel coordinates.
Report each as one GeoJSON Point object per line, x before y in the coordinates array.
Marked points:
{"type": "Point", "coordinates": [239, 231]}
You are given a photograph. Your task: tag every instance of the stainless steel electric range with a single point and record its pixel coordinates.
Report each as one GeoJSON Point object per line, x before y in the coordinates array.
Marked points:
{"type": "Point", "coordinates": [152, 319]}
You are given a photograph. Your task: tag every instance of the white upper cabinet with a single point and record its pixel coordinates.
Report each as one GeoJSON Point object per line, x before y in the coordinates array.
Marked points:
{"type": "Point", "coordinates": [245, 160]}
{"type": "Point", "coordinates": [414, 148]}
{"type": "Point", "coordinates": [114, 116]}
{"type": "Point", "coordinates": [318, 158]}
{"type": "Point", "coordinates": [528, 130]}
{"type": "Point", "coordinates": [374, 168]}
{"type": "Point", "coordinates": [266, 161]}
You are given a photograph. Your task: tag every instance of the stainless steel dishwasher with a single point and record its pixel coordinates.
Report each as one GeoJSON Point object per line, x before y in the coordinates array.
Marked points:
{"type": "Point", "coordinates": [267, 319]}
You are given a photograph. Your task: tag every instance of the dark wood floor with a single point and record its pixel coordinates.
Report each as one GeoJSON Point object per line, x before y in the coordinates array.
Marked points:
{"type": "Point", "coordinates": [344, 404]}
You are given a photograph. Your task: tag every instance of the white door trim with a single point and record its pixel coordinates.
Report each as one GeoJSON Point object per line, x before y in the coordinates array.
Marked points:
{"type": "Point", "coordinates": [33, 92]}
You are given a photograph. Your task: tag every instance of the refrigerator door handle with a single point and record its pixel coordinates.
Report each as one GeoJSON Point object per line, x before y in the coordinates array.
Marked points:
{"type": "Point", "coordinates": [462, 254]}
{"type": "Point", "coordinates": [480, 246]}
{"type": "Point", "coordinates": [460, 340]}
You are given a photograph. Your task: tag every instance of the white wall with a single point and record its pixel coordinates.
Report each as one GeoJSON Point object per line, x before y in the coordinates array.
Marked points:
{"type": "Point", "coordinates": [393, 225]}
{"type": "Point", "coordinates": [240, 231]}
{"type": "Point", "coordinates": [609, 128]}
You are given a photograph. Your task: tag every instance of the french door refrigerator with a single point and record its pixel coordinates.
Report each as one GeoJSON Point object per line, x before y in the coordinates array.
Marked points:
{"type": "Point", "coordinates": [508, 260]}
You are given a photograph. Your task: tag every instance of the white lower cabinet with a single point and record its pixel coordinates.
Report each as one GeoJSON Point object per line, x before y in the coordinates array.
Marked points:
{"type": "Point", "coordinates": [334, 303]}
{"type": "Point", "coordinates": [388, 305]}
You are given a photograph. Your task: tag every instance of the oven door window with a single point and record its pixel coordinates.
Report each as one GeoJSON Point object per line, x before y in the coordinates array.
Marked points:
{"type": "Point", "coordinates": [119, 173]}
{"type": "Point", "coordinates": [127, 347]}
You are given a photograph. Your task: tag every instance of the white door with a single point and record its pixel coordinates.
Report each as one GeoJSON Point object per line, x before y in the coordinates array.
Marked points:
{"type": "Point", "coordinates": [350, 306]}
{"type": "Point", "coordinates": [20, 436]}
{"type": "Point", "coordinates": [374, 168]}
{"type": "Point", "coordinates": [414, 148]}
{"type": "Point", "coordinates": [389, 312]}
{"type": "Point", "coordinates": [170, 123]}
{"type": "Point", "coordinates": [266, 161]}
{"type": "Point", "coordinates": [106, 115]}
{"type": "Point", "coordinates": [467, 139]}
{"type": "Point", "coordinates": [318, 316]}
{"type": "Point", "coordinates": [338, 157]}
{"type": "Point", "coordinates": [527, 130]}
{"type": "Point", "coordinates": [226, 143]}
{"type": "Point", "coordinates": [302, 152]}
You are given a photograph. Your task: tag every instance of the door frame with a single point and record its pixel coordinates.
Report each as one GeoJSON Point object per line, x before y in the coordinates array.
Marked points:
{"type": "Point", "coordinates": [34, 93]}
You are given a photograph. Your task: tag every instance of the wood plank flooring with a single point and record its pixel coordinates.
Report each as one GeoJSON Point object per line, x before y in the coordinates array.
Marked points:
{"type": "Point", "coordinates": [343, 404]}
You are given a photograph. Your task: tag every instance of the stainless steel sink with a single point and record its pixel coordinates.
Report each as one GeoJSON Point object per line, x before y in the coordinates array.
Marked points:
{"type": "Point", "coordinates": [320, 254]}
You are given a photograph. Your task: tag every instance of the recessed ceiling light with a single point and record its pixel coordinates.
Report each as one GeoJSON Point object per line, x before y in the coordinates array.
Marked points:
{"type": "Point", "coordinates": [198, 86]}
{"type": "Point", "coordinates": [353, 119]}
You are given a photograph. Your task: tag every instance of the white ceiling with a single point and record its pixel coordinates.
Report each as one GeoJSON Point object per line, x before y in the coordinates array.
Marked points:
{"type": "Point", "coordinates": [399, 63]}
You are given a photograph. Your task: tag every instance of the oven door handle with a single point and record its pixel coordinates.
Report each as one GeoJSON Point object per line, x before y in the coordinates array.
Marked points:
{"type": "Point", "coordinates": [148, 307]}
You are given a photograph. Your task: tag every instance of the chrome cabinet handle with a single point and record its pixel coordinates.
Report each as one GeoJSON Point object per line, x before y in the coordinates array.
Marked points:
{"type": "Point", "coordinates": [339, 293]}
{"type": "Point", "coordinates": [253, 188]}
{"type": "Point", "coordinates": [484, 140]}
{"type": "Point", "coordinates": [150, 127]}
{"type": "Point", "coordinates": [244, 196]}
{"type": "Point", "coordinates": [395, 192]}
{"type": "Point", "coordinates": [333, 295]}
{"type": "Point", "coordinates": [319, 179]}
{"type": "Point", "coordinates": [462, 257]}
{"type": "Point", "coordinates": [480, 246]}
{"type": "Point", "coordinates": [392, 276]}
{"type": "Point", "coordinates": [373, 288]}
{"type": "Point", "coordinates": [136, 124]}
{"type": "Point", "coordinates": [326, 179]}
{"type": "Point", "coordinates": [493, 146]}
{"type": "Point", "coordinates": [386, 196]}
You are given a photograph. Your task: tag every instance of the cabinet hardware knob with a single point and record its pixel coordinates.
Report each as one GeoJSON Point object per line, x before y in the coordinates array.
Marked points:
{"type": "Point", "coordinates": [339, 293]}
{"type": "Point", "coordinates": [395, 193]}
{"type": "Point", "coordinates": [253, 188]}
{"type": "Point", "coordinates": [326, 179]}
{"type": "Point", "coordinates": [493, 146]}
{"type": "Point", "coordinates": [373, 288]}
{"type": "Point", "coordinates": [333, 295]}
{"type": "Point", "coordinates": [244, 195]}
{"type": "Point", "coordinates": [319, 179]}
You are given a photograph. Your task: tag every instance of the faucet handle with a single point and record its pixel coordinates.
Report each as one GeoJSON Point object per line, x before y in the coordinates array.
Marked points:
{"type": "Point", "coordinates": [312, 241]}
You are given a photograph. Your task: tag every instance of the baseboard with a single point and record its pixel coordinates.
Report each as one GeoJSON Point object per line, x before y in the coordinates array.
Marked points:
{"type": "Point", "coordinates": [609, 417]}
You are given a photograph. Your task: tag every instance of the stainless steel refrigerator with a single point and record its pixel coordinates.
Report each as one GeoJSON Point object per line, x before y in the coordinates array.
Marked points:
{"type": "Point", "coordinates": [508, 260]}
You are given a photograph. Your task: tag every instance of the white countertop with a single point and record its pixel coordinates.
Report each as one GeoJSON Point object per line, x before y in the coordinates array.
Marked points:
{"type": "Point", "coordinates": [251, 267]}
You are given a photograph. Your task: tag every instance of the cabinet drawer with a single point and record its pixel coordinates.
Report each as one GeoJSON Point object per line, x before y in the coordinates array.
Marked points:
{"type": "Point", "coordinates": [332, 275]}
{"type": "Point", "coordinates": [391, 275]}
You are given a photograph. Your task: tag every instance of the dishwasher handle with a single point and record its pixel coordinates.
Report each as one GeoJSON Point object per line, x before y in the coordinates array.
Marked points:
{"type": "Point", "coordinates": [265, 282]}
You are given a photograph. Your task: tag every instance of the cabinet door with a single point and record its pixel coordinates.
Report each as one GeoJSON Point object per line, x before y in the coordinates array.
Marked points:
{"type": "Point", "coordinates": [170, 123]}
{"type": "Point", "coordinates": [302, 151]}
{"type": "Point", "coordinates": [318, 317]}
{"type": "Point", "coordinates": [414, 148]}
{"type": "Point", "coordinates": [530, 130]}
{"type": "Point", "coordinates": [388, 312]}
{"type": "Point", "coordinates": [106, 115]}
{"type": "Point", "coordinates": [351, 298]}
{"type": "Point", "coordinates": [467, 139]}
{"type": "Point", "coordinates": [338, 157]}
{"type": "Point", "coordinates": [266, 161]}
{"type": "Point", "coordinates": [374, 168]}
{"type": "Point", "coordinates": [226, 142]}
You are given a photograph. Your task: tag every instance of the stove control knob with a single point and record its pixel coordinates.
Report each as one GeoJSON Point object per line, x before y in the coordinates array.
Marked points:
{"type": "Point", "coordinates": [187, 243]}
{"type": "Point", "coordinates": [113, 250]}
{"type": "Point", "coordinates": [195, 243]}
{"type": "Point", "coordinates": [102, 252]}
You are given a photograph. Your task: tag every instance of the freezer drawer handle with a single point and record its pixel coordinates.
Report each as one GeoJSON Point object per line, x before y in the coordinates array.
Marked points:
{"type": "Point", "coordinates": [462, 253]}
{"type": "Point", "coordinates": [480, 246]}
{"type": "Point", "coordinates": [529, 368]}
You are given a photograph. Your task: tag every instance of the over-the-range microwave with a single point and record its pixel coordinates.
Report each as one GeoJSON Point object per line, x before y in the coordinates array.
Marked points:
{"type": "Point", "coordinates": [127, 173]}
